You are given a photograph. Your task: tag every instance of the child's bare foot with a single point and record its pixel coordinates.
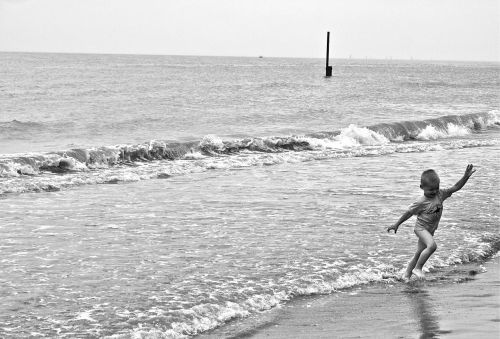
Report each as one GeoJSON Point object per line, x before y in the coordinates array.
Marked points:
{"type": "Point", "coordinates": [418, 273]}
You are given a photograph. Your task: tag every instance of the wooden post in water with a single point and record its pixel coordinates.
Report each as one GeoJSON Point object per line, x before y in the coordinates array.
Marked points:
{"type": "Point", "coordinates": [328, 68]}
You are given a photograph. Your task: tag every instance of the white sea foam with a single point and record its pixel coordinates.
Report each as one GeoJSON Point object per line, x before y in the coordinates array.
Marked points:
{"type": "Point", "coordinates": [85, 315]}
{"type": "Point", "coordinates": [194, 156]}
{"type": "Point", "coordinates": [349, 138]}
{"type": "Point", "coordinates": [494, 117]}
{"type": "Point", "coordinates": [354, 136]}
{"type": "Point", "coordinates": [434, 133]}
{"type": "Point", "coordinates": [211, 143]}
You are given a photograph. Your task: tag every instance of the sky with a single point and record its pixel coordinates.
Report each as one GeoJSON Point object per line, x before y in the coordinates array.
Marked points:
{"type": "Point", "coordinates": [399, 29]}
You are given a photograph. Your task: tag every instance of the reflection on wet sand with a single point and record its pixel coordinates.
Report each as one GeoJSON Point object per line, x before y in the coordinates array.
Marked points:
{"type": "Point", "coordinates": [424, 311]}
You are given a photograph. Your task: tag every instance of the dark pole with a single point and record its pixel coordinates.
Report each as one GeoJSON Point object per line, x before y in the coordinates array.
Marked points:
{"type": "Point", "coordinates": [328, 68]}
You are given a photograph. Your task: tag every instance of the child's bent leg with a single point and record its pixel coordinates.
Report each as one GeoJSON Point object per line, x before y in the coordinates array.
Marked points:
{"type": "Point", "coordinates": [413, 262]}
{"type": "Point", "coordinates": [430, 246]}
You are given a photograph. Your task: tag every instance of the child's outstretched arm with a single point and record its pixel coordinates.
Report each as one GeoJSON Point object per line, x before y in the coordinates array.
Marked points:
{"type": "Point", "coordinates": [460, 183]}
{"type": "Point", "coordinates": [406, 215]}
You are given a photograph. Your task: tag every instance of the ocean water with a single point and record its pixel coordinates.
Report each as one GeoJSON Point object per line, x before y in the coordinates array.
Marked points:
{"type": "Point", "coordinates": [164, 196]}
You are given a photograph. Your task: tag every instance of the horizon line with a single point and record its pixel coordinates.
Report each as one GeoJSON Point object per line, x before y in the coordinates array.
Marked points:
{"type": "Point", "coordinates": [255, 56]}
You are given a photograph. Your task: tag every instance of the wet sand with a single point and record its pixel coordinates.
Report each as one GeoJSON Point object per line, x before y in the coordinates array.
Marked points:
{"type": "Point", "coordinates": [456, 304]}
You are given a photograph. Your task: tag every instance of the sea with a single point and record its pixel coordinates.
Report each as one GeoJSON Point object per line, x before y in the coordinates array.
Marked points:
{"type": "Point", "coordinates": [166, 196]}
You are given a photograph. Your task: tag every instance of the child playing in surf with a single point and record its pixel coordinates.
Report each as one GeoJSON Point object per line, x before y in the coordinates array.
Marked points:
{"type": "Point", "coordinates": [428, 210]}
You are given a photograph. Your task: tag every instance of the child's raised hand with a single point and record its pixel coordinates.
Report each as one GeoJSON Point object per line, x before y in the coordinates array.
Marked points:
{"type": "Point", "coordinates": [392, 227]}
{"type": "Point", "coordinates": [469, 171]}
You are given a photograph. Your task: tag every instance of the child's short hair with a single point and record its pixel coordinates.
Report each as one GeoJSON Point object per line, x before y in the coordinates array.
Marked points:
{"type": "Point", "coordinates": [428, 175]}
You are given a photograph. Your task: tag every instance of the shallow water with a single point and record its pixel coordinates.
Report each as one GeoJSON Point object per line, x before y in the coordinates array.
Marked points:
{"type": "Point", "coordinates": [183, 254]}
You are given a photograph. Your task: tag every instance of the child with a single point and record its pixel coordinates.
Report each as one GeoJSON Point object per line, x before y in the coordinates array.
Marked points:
{"type": "Point", "coordinates": [428, 210]}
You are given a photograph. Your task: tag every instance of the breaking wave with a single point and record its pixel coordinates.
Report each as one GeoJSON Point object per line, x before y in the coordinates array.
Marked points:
{"type": "Point", "coordinates": [31, 172]}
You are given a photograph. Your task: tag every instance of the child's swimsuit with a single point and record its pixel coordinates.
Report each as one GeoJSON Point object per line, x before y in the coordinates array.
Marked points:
{"type": "Point", "coordinates": [429, 210]}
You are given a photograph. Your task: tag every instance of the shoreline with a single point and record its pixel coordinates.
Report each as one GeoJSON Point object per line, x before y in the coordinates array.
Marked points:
{"type": "Point", "coordinates": [461, 304]}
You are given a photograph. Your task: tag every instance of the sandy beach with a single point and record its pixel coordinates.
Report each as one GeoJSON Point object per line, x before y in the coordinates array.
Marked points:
{"type": "Point", "coordinates": [458, 304]}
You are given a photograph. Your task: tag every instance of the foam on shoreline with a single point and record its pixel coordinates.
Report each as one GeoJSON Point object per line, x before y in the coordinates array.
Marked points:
{"type": "Point", "coordinates": [468, 305]}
